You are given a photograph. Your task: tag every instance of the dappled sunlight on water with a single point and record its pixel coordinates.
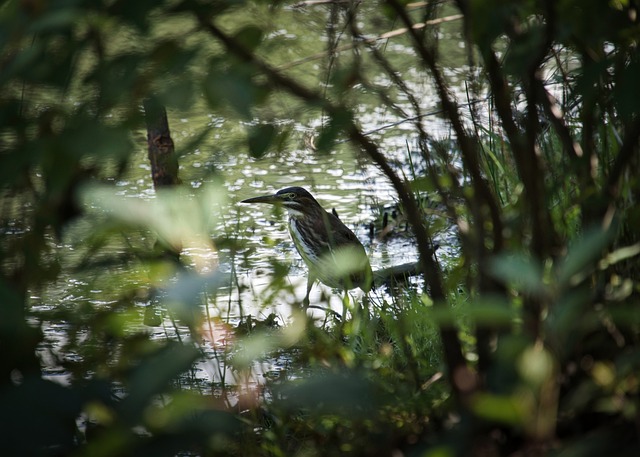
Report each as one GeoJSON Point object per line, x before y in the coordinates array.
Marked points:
{"type": "Point", "coordinates": [250, 245]}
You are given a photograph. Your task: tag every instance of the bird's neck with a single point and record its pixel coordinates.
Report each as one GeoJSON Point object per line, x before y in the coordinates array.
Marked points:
{"type": "Point", "coordinates": [294, 213]}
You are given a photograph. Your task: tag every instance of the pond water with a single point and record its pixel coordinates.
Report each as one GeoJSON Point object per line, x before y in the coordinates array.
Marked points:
{"type": "Point", "coordinates": [341, 179]}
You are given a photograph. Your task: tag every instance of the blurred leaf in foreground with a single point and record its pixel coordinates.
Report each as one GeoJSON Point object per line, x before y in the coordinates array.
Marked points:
{"type": "Point", "coordinates": [179, 219]}
{"type": "Point", "coordinates": [350, 394]}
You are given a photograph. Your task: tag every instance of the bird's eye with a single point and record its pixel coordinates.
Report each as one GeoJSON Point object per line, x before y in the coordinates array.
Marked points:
{"type": "Point", "coordinates": [291, 196]}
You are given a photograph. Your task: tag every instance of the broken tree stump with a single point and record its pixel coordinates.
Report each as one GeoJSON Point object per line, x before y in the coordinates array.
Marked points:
{"type": "Point", "coordinates": [162, 156]}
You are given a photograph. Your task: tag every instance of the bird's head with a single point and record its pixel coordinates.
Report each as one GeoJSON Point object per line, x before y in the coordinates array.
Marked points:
{"type": "Point", "coordinates": [296, 200]}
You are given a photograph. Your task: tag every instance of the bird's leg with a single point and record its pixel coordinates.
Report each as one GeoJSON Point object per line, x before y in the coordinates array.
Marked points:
{"type": "Point", "coordinates": [366, 312]}
{"type": "Point", "coordinates": [310, 280]}
{"type": "Point", "coordinates": [358, 310]}
{"type": "Point", "coordinates": [345, 304]}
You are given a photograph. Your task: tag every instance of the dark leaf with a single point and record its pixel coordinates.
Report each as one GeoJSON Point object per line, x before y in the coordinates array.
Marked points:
{"type": "Point", "coordinates": [260, 137]}
{"type": "Point", "coordinates": [249, 36]}
{"type": "Point", "coordinates": [153, 376]}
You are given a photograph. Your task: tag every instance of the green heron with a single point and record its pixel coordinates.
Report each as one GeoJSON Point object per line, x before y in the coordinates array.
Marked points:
{"type": "Point", "coordinates": [332, 252]}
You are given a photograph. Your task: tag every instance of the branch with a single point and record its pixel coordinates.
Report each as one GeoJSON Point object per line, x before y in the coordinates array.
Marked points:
{"type": "Point", "coordinates": [458, 370]}
{"type": "Point", "coordinates": [452, 347]}
{"type": "Point", "coordinates": [555, 115]}
{"type": "Point", "coordinates": [397, 273]}
{"type": "Point", "coordinates": [467, 148]}
{"type": "Point", "coordinates": [372, 40]}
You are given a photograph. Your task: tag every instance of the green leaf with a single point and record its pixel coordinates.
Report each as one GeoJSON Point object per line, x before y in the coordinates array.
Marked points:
{"type": "Point", "coordinates": [89, 138]}
{"type": "Point", "coordinates": [208, 423]}
{"type": "Point", "coordinates": [488, 311]}
{"type": "Point", "coordinates": [569, 319]}
{"type": "Point", "coordinates": [36, 415]}
{"type": "Point", "coordinates": [518, 59]}
{"type": "Point", "coordinates": [627, 89]}
{"type": "Point", "coordinates": [524, 273]}
{"type": "Point", "coordinates": [503, 409]}
{"type": "Point", "coordinates": [536, 365]}
{"type": "Point", "coordinates": [153, 376]}
{"type": "Point", "coordinates": [58, 19]}
{"type": "Point", "coordinates": [250, 37]}
{"type": "Point", "coordinates": [348, 393]}
{"type": "Point", "coordinates": [179, 218]}
{"type": "Point", "coordinates": [583, 254]}
{"type": "Point", "coordinates": [136, 13]}
{"type": "Point", "coordinates": [494, 160]}
{"type": "Point", "coordinates": [337, 124]}
{"type": "Point", "coordinates": [422, 184]}
{"type": "Point", "coordinates": [620, 254]}
{"type": "Point", "coordinates": [260, 137]}
{"type": "Point", "coordinates": [234, 85]}
{"type": "Point", "coordinates": [23, 63]}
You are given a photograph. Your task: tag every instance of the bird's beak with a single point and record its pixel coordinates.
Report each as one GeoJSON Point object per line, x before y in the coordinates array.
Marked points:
{"type": "Point", "coordinates": [271, 199]}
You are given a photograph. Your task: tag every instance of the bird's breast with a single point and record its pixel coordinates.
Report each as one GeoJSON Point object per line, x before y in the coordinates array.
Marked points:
{"type": "Point", "coordinates": [305, 240]}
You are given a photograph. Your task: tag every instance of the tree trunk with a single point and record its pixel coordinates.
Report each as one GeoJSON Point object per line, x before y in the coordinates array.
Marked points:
{"type": "Point", "coordinates": [164, 163]}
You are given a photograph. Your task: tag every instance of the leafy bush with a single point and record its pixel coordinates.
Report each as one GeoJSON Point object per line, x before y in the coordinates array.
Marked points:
{"type": "Point", "coordinates": [526, 343]}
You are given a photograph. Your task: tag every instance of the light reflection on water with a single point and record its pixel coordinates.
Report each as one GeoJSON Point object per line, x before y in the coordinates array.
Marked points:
{"type": "Point", "coordinates": [340, 180]}
{"type": "Point", "coordinates": [336, 180]}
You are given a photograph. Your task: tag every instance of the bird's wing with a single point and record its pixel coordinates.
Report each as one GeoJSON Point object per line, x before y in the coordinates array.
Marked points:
{"type": "Point", "coordinates": [363, 276]}
{"type": "Point", "coordinates": [341, 234]}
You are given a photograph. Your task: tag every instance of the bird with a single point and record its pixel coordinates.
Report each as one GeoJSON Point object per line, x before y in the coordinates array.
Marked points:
{"type": "Point", "coordinates": [332, 252]}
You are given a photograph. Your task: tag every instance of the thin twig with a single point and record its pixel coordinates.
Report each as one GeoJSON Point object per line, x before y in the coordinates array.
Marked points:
{"type": "Point", "coordinates": [372, 40]}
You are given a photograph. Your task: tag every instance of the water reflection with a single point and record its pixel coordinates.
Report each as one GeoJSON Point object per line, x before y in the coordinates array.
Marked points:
{"type": "Point", "coordinates": [340, 179]}
{"type": "Point", "coordinates": [337, 180]}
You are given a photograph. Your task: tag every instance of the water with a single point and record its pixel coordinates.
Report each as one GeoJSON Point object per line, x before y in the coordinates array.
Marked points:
{"type": "Point", "coordinates": [337, 180]}
{"type": "Point", "coordinates": [341, 179]}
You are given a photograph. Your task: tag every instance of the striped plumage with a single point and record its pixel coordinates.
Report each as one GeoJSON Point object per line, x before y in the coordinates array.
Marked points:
{"type": "Point", "coordinates": [331, 251]}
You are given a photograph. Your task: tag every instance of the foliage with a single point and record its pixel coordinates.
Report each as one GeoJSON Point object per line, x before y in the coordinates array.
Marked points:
{"type": "Point", "coordinates": [527, 343]}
